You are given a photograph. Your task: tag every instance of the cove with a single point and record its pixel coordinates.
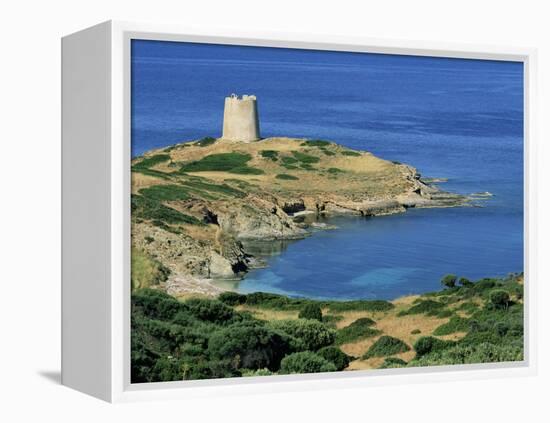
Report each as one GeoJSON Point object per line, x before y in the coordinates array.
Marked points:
{"type": "Point", "coordinates": [386, 257]}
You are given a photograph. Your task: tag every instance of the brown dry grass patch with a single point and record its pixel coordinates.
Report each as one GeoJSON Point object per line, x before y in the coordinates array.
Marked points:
{"type": "Point", "coordinates": [140, 181]}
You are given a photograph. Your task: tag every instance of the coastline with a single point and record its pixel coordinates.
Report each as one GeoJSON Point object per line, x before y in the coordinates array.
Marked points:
{"type": "Point", "coordinates": [220, 211]}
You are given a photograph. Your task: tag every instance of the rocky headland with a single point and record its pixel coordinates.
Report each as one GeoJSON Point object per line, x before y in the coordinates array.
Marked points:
{"type": "Point", "coordinates": [194, 203]}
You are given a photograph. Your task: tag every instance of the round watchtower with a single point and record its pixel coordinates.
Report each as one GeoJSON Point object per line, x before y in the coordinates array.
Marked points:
{"type": "Point", "coordinates": [240, 119]}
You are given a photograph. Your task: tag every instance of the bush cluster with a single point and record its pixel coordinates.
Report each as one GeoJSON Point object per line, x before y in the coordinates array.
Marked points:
{"type": "Point", "coordinates": [222, 162]}
{"type": "Point", "coordinates": [429, 307]}
{"type": "Point", "coordinates": [151, 209]}
{"type": "Point", "coordinates": [455, 324]}
{"type": "Point", "coordinates": [335, 356]}
{"type": "Point", "coordinates": [385, 346]}
{"type": "Point", "coordinates": [151, 161]}
{"type": "Point", "coordinates": [311, 311]}
{"type": "Point", "coordinates": [308, 334]}
{"type": "Point", "coordinates": [270, 154]}
{"type": "Point", "coordinates": [359, 329]}
{"type": "Point", "coordinates": [306, 362]}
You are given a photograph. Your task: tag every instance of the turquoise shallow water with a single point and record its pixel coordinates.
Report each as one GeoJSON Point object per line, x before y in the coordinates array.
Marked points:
{"type": "Point", "coordinates": [389, 256]}
{"type": "Point", "coordinates": [455, 119]}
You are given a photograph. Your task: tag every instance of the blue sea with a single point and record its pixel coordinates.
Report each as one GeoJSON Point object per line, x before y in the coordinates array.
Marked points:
{"type": "Point", "coordinates": [450, 118]}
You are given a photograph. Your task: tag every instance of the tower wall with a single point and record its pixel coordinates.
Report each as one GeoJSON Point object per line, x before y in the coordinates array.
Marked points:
{"type": "Point", "coordinates": [240, 119]}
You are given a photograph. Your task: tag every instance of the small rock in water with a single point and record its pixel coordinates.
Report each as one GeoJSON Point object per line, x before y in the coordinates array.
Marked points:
{"type": "Point", "coordinates": [484, 194]}
{"type": "Point", "coordinates": [320, 225]}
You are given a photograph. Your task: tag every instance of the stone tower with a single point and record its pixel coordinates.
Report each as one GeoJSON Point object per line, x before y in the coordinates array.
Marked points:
{"type": "Point", "coordinates": [240, 119]}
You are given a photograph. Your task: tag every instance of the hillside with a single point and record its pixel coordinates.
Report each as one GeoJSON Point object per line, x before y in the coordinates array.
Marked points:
{"type": "Point", "coordinates": [193, 203]}
{"type": "Point", "coordinates": [262, 334]}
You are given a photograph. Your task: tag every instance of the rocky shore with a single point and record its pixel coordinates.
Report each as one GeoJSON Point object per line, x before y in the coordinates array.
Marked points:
{"type": "Point", "coordinates": [191, 210]}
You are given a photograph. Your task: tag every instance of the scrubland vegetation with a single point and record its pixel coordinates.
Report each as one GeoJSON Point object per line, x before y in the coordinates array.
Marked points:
{"type": "Point", "coordinates": [181, 196]}
{"type": "Point", "coordinates": [262, 334]}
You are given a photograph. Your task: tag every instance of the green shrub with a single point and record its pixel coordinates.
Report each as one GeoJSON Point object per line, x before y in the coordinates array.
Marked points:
{"type": "Point", "coordinates": [289, 160]}
{"type": "Point", "coordinates": [165, 192]}
{"type": "Point", "coordinates": [305, 362]}
{"type": "Point", "coordinates": [211, 369]}
{"type": "Point", "coordinates": [456, 324]}
{"type": "Point", "coordinates": [483, 352]}
{"type": "Point", "coordinates": [307, 166]}
{"type": "Point", "coordinates": [502, 328]}
{"type": "Point", "coordinates": [151, 172]}
{"type": "Point", "coordinates": [328, 152]}
{"type": "Point", "coordinates": [269, 300]}
{"type": "Point", "coordinates": [311, 311]}
{"type": "Point", "coordinates": [316, 143]}
{"type": "Point", "coordinates": [232, 298]}
{"type": "Point", "coordinates": [361, 305]}
{"type": "Point", "coordinates": [351, 153]}
{"type": "Point", "coordinates": [335, 170]}
{"type": "Point", "coordinates": [517, 290]}
{"type": "Point", "coordinates": [258, 372]}
{"type": "Point", "coordinates": [246, 170]}
{"type": "Point", "coordinates": [499, 299]}
{"type": "Point", "coordinates": [392, 363]}
{"type": "Point", "coordinates": [286, 177]}
{"type": "Point", "coordinates": [151, 161]}
{"type": "Point", "coordinates": [249, 346]}
{"type": "Point", "coordinates": [465, 281]}
{"type": "Point", "coordinates": [468, 307]}
{"type": "Point", "coordinates": [209, 310]}
{"type": "Point", "coordinates": [443, 313]}
{"type": "Point", "coordinates": [142, 359]}
{"type": "Point", "coordinates": [156, 304]}
{"type": "Point", "coordinates": [270, 154]}
{"type": "Point", "coordinates": [222, 162]}
{"type": "Point", "coordinates": [427, 344]}
{"type": "Point", "coordinates": [359, 329]}
{"type": "Point", "coordinates": [305, 158]}
{"type": "Point", "coordinates": [448, 281]}
{"type": "Point", "coordinates": [429, 307]}
{"type": "Point", "coordinates": [280, 302]}
{"type": "Point", "coordinates": [148, 208]}
{"type": "Point", "coordinates": [310, 334]}
{"type": "Point", "coordinates": [202, 187]}
{"type": "Point", "coordinates": [167, 368]}
{"type": "Point", "coordinates": [415, 331]}
{"type": "Point", "coordinates": [335, 356]}
{"type": "Point", "coordinates": [484, 285]}
{"type": "Point", "coordinates": [386, 345]}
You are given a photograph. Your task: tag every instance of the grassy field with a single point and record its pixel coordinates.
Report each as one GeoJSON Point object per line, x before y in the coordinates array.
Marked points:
{"type": "Point", "coordinates": [320, 165]}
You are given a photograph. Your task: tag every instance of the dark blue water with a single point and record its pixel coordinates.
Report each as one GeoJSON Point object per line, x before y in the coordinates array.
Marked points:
{"type": "Point", "coordinates": [450, 118]}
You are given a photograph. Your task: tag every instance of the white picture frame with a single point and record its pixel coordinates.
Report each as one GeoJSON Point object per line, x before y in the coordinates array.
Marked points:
{"type": "Point", "coordinates": [96, 226]}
